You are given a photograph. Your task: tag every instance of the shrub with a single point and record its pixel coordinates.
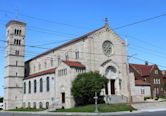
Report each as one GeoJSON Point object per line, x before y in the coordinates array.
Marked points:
{"type": "Point", "coordinates": [85, 85]}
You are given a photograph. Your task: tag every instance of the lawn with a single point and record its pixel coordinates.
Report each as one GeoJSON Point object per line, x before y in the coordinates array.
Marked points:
{"type": "Point", "coordinates": [26, 109]}
{"type": "Point", "coordinates": [102, 108]}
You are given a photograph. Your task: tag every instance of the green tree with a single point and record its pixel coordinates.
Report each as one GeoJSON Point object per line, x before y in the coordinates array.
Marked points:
{"type": "Point", "coordinates": [85, 85]}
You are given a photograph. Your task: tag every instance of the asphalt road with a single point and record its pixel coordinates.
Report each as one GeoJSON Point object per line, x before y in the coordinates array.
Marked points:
{"type": "Point", "coordinates": [157, 113]}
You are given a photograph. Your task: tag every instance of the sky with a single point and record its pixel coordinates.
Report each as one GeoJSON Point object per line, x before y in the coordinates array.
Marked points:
{"type": "Point", "coordinates": [53, 22]}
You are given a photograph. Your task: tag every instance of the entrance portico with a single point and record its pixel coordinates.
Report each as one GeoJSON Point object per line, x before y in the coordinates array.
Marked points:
{"type": "Point", "coordinates": [111, 72]}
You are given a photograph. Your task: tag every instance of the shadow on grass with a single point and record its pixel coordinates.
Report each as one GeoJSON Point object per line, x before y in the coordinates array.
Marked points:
{"type": "Point", "coordinates": [27, 109]}
{"type": "Point", "coordinates": [101, 108]}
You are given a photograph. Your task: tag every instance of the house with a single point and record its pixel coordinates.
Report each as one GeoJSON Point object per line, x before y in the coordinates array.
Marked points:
{"type": "Point", "coordinates": [150, 74]}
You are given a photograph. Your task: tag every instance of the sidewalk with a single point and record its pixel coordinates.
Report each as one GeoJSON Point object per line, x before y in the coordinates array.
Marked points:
{"type": "Point", "coordinates": [150, 106]}
{"type": "Point", "coordinates": [141, 107]}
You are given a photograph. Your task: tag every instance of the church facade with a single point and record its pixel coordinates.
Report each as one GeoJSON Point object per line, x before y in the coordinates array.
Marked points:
{"type": "Point", "coordinates": [45, 80]}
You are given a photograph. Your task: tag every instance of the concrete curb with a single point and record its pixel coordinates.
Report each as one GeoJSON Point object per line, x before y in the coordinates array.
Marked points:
{"type": "Point", "coordinates": [86, 113]}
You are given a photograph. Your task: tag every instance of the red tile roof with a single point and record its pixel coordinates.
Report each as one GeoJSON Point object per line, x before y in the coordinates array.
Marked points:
{"type": "Point", "coordinates": [49, 71]}
{"type": "Point", "coordinates": [74, 64]}
{"type": "Point", "coordinates": [67, 43]}
{"type": "Point", "coordinates": [141, 83]}
{"type": "Point", "coordinates": [143, 70]}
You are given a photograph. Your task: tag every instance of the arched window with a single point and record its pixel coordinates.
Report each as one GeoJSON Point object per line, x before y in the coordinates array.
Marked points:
{"type": "Point", "coordinates": [19, 32]}
{"type": "Point", "coordinates": [41, 85]}
{"type": "Point", "coordinates": [15, 31]}
{"type": "Point", "coordinates": [29, 104]}
{"type": "Point", "coordinates": [48, 83]}
{"type": "Point", "coordinates": [47, 105]}
{"type": "Point", "coordinates": [29, 86]}
{"type": "Point", "coordinates": [40, 105]}
{"type": "Point", "coordinates": [34, 104]}
{"type": "Point", "coordinates": [24, 105]}
{"type": "Point", "coordinates": [35, 86]}
{"type": "Point", "coordinates": [24, 88]}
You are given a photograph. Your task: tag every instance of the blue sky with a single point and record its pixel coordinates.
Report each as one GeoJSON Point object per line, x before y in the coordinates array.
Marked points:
{"type": "Point", "coordinates": [67, 19]}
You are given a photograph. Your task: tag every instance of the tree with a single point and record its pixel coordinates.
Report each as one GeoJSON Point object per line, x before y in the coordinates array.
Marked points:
{"type": "Point", "coordinates": [85, 85]}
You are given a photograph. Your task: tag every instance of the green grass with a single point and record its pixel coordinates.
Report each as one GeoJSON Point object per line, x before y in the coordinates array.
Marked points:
{"type": "Point", "coordinates": [26, 110]}
{"type": "Point", "coordinates": [102, 108]}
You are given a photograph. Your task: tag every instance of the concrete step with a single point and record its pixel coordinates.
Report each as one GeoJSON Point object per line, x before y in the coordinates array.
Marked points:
{"type": "Point", "coordinates": [116, 99]}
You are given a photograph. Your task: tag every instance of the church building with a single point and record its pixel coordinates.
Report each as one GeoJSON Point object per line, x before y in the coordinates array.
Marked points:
{"type": "Point", "coordinates": [45, 80]}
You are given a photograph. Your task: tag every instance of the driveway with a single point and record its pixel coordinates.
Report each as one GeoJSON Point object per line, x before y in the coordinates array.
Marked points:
{"type": "Point", "coordinates": [150, 106]}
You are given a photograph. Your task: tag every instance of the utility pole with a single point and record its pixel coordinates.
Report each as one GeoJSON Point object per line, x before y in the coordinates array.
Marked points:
{"type": "Point", "coordinates": [128, 83]}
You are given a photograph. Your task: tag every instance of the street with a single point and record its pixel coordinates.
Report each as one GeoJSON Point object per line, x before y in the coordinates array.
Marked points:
{"type": "Point", "coordinates": [151, 113]}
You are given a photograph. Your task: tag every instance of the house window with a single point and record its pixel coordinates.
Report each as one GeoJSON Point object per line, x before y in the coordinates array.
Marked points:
{"type": "Point", "coordinates": [35, 86]}
{"type": "Point", "coordinates": [142, 91]}
{"type": "Point", "coordinates": [29, 86]}
{"type": "Point", "coordinates": [77, 54]}
{"type": "Point", "coordinates": [41, 85]}
{"type": "Point", "coordinates": [156, 71]}
{"type": "Point", "coordinates": [154, 81]}
{"type": "Point", "coordinates": [48, 83]}
{"type": "Point", "coordinates": [159, 81]}
{"type": "Point", "coordinates": [24, 88]}
{"type": "Point", "coordinates": [144, 79]}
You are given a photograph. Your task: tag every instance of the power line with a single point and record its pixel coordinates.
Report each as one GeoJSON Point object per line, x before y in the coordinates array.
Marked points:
{"type": "Point", "coordinates": [45, 20]}
{"type": "Point", "coordinates": [140, 21]}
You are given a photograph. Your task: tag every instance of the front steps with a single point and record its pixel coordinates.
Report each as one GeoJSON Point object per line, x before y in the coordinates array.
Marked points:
{"type": "Point", "coordinates": [115, 99]}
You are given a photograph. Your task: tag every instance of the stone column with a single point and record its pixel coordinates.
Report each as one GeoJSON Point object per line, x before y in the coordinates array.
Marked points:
{"type": "Point", "coordinates": [117, 88]}
{"type": "Point", "coordinates": [109, 87]}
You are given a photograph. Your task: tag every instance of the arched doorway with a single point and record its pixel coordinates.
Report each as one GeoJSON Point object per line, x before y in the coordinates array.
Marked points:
{"type": "Point", "coordinates": [111, 74]}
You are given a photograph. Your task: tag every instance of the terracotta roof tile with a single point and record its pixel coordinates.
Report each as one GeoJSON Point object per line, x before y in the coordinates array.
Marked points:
{"type": "Point", "coordinates": [143, 70]}
{"type": "Point", "coordinates": [74, 64]}
{"type": "Point", "coordinates": [49, 71]}
{"type": "Point", "coordinates": [141, 83]}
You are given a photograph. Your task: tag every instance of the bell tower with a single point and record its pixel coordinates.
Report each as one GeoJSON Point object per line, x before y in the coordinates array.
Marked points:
{"type": "Point", "coordinates": [14, 64]}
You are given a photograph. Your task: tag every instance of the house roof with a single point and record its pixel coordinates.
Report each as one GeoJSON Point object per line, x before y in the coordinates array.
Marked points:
{"type": "Point", "coordinates": [141, 83]}
{"type": "Point", "coordinates": [49, 71]}
{"type": "Point", "coordinates": [68, 43]}
{"type": "Point", "coordinates": [143, 70]}
{"type": "Point", "coordinates": [74, 64]}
